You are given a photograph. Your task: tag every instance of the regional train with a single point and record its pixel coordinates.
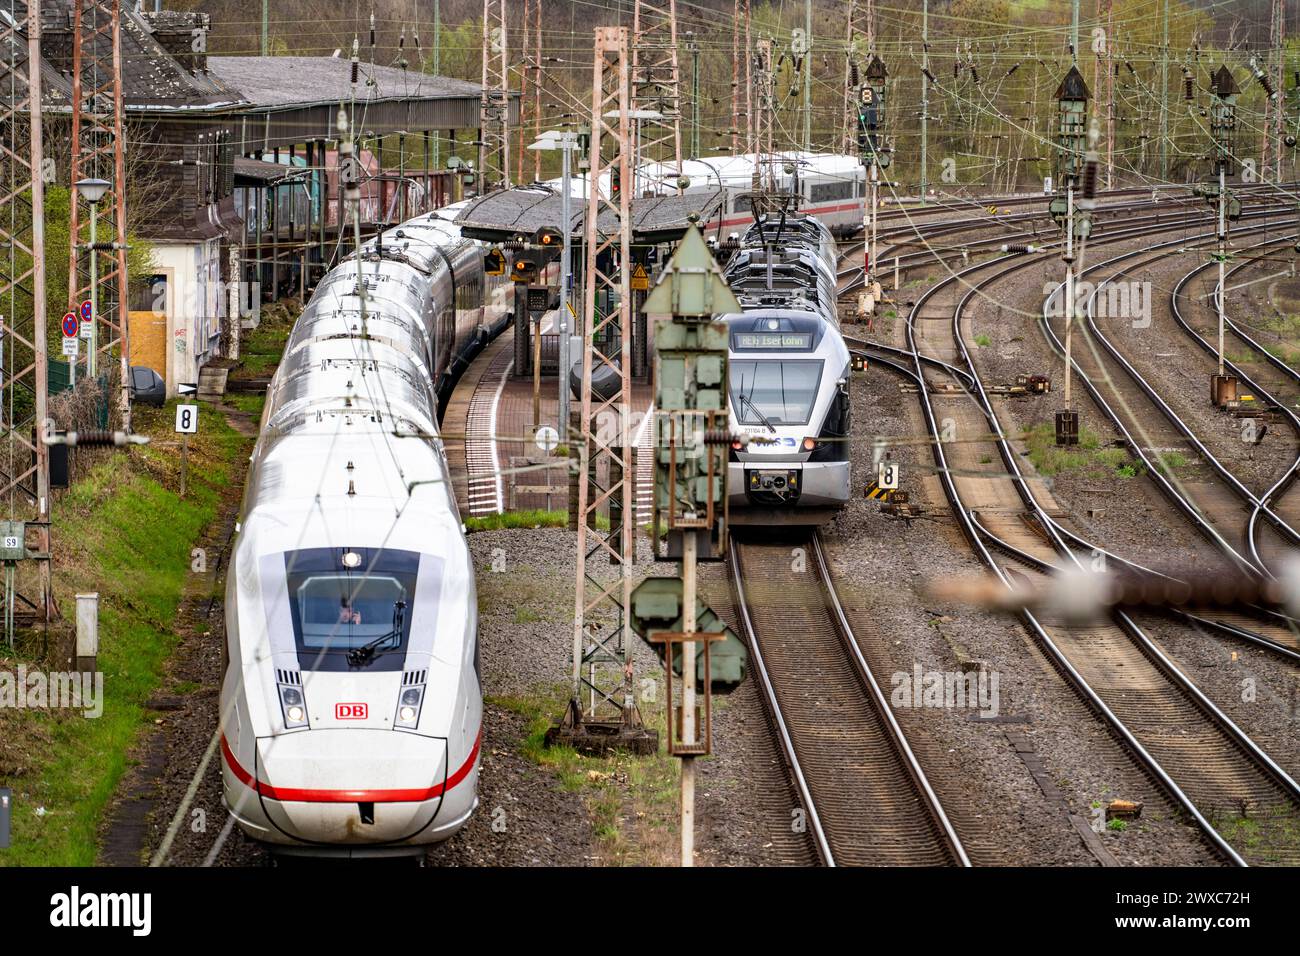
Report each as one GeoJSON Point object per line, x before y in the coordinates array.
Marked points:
{"type": "Point", "coordinates": [789, 376]}
{"type": "Point", "coordinates": [351, 704]}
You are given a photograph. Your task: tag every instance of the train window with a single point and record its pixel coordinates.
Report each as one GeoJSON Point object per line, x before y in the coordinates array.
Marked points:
{"type": "Point", "coordinates": [337, 608]}
{"type": "Point", "coordinates": [775, 391]}
{"type": "Point", "coordinates": [828, 192]}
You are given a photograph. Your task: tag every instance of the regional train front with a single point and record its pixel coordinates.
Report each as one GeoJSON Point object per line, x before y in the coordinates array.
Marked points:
{"type": "Point", "coordinates": [789, 376]}
{"type": "Point", "coordinates": [789, 393]}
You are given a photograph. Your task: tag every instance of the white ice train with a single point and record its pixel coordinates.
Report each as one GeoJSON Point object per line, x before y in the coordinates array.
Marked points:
{"type": "Point", "coordinates": [789, 376]}
{"type": "Point", "coordinates": [831, 186]}
{"type": "Point", "coordinates": [351, 706]}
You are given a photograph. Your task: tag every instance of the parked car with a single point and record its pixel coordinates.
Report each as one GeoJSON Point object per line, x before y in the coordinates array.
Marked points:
{"type": "Point", "coordinates": [147, 386]}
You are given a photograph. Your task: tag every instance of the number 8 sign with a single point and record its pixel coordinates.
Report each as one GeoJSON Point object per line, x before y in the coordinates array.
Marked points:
{"type": "Point", "coordinates": [187, 419]}
{"type": "Point", "coordinates": [887, 479]}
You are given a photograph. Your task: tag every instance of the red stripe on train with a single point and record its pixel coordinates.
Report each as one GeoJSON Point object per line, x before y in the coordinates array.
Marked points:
{"type": "Point", "coordinates": [298, 795]}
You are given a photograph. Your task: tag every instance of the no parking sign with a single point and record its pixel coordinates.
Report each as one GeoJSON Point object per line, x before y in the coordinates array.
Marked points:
{"type": "Point", "coordinates": [70, 324]}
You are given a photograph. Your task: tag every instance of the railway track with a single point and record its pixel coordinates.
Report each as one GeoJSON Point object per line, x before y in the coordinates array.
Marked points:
{"type": "Point", "coordinates": [1219, 507]}
{"type": "Point", "coordinates": [1265, 629]}
{"type": "Point", "coordinates": [1203, 761]}
{"type": "Point", "coordinates": [924, 233]}
{"type": "Point", "coordinates": [866, 798]}
{"type": "Point", "coordinates": [1271, 379]}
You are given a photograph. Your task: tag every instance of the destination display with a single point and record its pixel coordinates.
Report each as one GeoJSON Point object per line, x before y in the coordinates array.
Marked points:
{"type": "Point", "coordinates": [768, 341]}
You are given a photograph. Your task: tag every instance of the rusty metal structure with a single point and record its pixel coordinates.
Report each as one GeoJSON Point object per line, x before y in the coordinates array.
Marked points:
{"type": "Point", "coordinates": [1271, 149]}
{"type": "Point", "coordinates": [735, 77]}
{"type": "Point", "coordinates": [24, 469]}
{"type": "Point", "coordinates": [656, 83]}
{"type": "Point", "coordinates": [749, 76]}
{"type": "Point", "coordinates": [494, 105]}
{"type": "Point", "coordinates": [602, 630]}
{"type": "Point", "coordinates": [763, 145]}
{"type": "Point", "coordinates": [530, 88]}
{"type": "Point", "coordinates": [98, 275]}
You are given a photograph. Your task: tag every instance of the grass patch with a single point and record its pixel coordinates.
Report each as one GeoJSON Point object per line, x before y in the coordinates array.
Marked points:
{"type": "Point", "coordinates": [261, 348]}
{"type": "Point", "coordinates": [536, 518]}
{"type": "Point", "coordinates": [1088, 458]}
{"type": "Point", "coordinates": [1167, 462]}
{"type": "Point", "coordinates": [1261, 837]}
{"type": "Point", "coordinates": [1049, 458]}
{"type": "Point", "coordinates": [124, 531]}
{"type": "Point", "coordinates": [983, 341]}
{"type": "Point", "coordinates": [1287, 355]}
{"type": "Point", "coordinates": [251, 403]}
{"type": "Point", "coordinates": [632, 801]}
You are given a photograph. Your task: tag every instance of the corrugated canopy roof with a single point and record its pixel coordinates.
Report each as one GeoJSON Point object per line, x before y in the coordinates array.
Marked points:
{"type": "Point", "coordinates": [271, 82]}
{"type": "Point", "coordinates": [507, 213]}
{"type": "Point", "coordinates": [261, 171]}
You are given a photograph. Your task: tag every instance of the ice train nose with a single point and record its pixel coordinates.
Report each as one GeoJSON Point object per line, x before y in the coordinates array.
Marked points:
{"type": "Point", "coordinates": [351, 786]}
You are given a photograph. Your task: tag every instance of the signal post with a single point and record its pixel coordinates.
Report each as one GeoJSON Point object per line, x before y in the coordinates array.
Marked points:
{"type": "Point", "coordinates": [1074, 218]}
{"type": "Point", "coordinates": [1223, 127]}
{"type": "Point", "coordinates": [870, 113]}
{"type": "Point", "coordinates": [692, 438]}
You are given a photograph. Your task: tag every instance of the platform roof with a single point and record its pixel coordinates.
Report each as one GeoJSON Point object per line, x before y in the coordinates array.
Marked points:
{"type": "Point", "coordinates": [291, 99]}
{"type": "Point", "coordinates": [518, 213]}
{"type": "Point", "coordinates": [261, 172]}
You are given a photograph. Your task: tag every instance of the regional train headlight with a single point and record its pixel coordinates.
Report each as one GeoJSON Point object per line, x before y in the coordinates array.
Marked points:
{"type": "Point", "coordinates": [293, 706]}
{"type": "Point", "coordinates": [408, 707]}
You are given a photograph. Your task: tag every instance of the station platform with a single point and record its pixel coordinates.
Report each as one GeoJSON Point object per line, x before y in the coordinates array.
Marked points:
{"type": "Point", "coordinates": [496, 465]}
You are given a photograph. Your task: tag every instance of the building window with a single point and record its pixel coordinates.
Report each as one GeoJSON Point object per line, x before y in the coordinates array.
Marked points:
{"type": "Point", "coordinates": [150, 296]}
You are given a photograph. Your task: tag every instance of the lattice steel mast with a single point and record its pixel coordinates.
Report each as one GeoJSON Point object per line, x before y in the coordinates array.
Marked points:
{"type": "Point", "coordinates": [99, 152]}
{"type": "Point", "coordinates": [764, 142]}
{"type": "Point", "coordinates": [530, 88]}
{"type": "Point", "coordinates": [494, 104]}
{"type": "Point", "coordinates": [656, 83]}
{"type": "Point", "coordinates": [26, 473]}
{"type": "Point", "coordinates": [602, 632]}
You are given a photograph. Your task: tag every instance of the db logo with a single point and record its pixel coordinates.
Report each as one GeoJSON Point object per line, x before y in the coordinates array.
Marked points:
{"type": "Point", "coordinates": [351, 711]}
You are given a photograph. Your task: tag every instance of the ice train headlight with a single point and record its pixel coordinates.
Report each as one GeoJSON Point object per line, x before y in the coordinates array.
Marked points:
{"type": "Point", "coordinates": [408, 707]}
{"type": "Point", "coordinates": [293, 706]}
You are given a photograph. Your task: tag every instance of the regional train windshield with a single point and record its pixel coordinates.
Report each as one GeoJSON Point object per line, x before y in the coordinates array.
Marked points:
{"type": "Point", "coordinates": [774, 391]}
{"type": "Point", "coordinates": [351, 609]}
